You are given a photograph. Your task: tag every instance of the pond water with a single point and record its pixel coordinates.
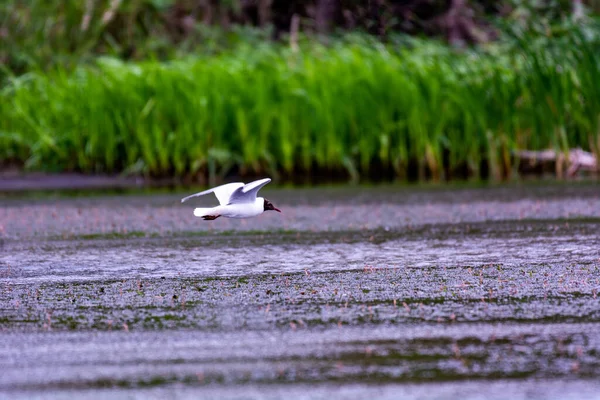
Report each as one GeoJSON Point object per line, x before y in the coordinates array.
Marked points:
{"type": "Point", "coordinates": [380, 291]}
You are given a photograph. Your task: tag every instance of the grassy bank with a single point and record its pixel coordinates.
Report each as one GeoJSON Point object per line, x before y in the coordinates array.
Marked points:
{"type": "Point", "coordinates": [356, 107]}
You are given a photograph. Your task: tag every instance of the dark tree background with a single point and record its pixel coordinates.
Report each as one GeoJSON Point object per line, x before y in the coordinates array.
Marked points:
{"type": "Point", "coordinates": [457, 20]}
{"type": "Point", "coordinates": [39, 34]}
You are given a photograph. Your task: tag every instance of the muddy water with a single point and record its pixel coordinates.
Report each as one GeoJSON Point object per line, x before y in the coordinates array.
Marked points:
{"type": "Point", "coordinates": [381, 292]}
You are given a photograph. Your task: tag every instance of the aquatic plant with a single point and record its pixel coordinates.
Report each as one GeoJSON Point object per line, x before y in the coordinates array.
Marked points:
{"type": "Point", "coordinates": [356, 106]}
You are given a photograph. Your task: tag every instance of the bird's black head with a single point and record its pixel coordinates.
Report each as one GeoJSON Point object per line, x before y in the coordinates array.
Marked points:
{"type": "Point", "coordinates": [270, 206]}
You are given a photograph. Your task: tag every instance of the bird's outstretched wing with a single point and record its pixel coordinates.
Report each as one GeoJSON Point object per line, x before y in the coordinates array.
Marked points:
{"type": "Point", "coordinates": [222, 192]}
{"type": "Point", "coordinates": [247, 193]}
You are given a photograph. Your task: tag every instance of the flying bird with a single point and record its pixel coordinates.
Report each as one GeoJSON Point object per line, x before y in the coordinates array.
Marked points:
{"type": "Point", "coordinates": [237, 200]}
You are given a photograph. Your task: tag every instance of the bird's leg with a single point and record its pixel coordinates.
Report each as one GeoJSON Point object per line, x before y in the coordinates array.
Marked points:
{"type": "Point", "coordinates": [210, 217]}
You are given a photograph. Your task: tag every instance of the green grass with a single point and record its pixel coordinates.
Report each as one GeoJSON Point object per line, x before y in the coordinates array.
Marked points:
{"type": "Point", "coordinates": [357, 107]}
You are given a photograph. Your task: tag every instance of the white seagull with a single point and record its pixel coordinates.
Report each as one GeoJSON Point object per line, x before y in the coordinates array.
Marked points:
{"type": "Point", "coordinates": [236, 201]}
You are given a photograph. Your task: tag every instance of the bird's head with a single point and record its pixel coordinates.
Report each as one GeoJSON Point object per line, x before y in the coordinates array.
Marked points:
{"type": "Point", "coordinates": [270, 206]}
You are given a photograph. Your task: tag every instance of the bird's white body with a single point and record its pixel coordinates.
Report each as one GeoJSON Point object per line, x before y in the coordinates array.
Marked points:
{"type": "Point", "coordinates": [240, 210]}
{"type": "Point", "coordinates": [237, 200]}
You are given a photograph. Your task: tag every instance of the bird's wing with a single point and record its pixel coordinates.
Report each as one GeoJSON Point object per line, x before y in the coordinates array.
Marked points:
{"type": "Point", "coordinates": [222, 192]}
{"type": "Point", "coordinates": [247, 193]}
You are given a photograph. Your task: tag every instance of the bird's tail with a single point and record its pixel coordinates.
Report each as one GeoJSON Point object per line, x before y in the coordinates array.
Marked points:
{"type": "Point", "coordinates": [201, 212]}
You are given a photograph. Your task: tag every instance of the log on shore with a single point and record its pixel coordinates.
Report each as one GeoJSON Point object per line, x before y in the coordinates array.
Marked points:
{"type": "Point", "coordinates": [571, 162]}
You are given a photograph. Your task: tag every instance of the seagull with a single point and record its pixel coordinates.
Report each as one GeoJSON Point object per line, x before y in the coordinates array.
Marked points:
{"type": "Point", "coordinates": [237, 200]}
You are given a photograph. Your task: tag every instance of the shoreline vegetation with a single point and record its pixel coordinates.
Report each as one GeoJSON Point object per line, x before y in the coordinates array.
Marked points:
{"type": "Point", "coordinates": [350, 105]}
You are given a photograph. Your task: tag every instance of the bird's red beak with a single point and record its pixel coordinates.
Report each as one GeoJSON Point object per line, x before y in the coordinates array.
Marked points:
{"type": "Point", "coordinates": [277, 209]}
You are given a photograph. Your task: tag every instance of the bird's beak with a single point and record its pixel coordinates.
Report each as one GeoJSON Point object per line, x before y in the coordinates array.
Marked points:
{"type": "Point", "coordinates": [277, 209]}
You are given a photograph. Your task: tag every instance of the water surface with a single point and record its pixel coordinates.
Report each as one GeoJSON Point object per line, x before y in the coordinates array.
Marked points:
{"type": "Point", "coordinates": [352, 292]}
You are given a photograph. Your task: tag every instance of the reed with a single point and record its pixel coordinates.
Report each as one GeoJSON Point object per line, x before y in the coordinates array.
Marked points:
{"type": "Point", "coordinates": [356, 106]}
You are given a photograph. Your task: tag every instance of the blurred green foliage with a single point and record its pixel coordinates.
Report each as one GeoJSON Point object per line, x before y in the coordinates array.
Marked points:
{"type": "Point", "coordinates": [355, 105]}
{"type": "Point", "coordinates": [38, 34]}
{"type": "Point", "coordinates": [163, 87]}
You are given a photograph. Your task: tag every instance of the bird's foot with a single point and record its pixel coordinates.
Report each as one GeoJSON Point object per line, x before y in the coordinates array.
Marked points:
{"type": "Point", "coordinates": [210, 217]}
